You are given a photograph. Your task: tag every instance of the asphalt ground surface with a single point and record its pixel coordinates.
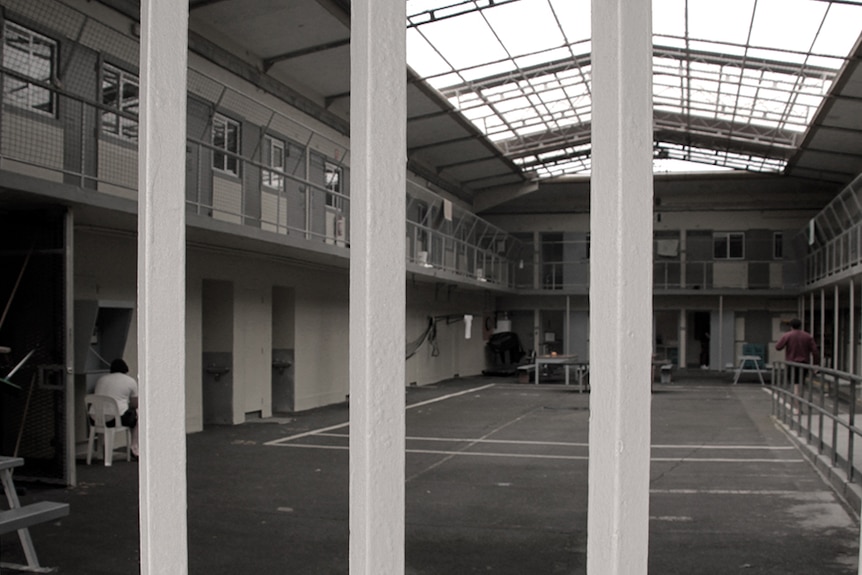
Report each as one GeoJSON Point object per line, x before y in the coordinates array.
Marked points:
{"type": "Point", "coordinates": [496, 483]}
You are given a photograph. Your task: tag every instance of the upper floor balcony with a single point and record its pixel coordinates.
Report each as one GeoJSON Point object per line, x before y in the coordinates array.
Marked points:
{"type": "Point", "coordinates": [723, 262]}
{"type": "Point", "coordinates": [834, 238]}
{"type": "Point", "coordinates": [254, 163]}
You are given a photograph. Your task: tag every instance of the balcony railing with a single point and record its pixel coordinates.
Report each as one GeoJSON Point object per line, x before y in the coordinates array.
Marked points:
{"type": "Point", "coordinates": [443, 237]}
{"type": "Point", "coordinates": [836, 256]}
{"type": "Point", "coordinates": [297, 199]}
{"type": "Point", "coordinates": [73, 146]}
{"type": "Point", "coordinates": [566, 267]}
{"type": "Point", "coordinates": [834, 236]}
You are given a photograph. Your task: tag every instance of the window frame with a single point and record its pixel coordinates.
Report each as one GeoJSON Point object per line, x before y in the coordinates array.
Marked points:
{"type": "Point", "coordinates": [223, 155]}
{"type": "Point", "coordinates": [332, 200]}
{"type": "Point", "coordinates": [30, 88]}
{"type": "Point", "coordinates": [121, 124]}
{"type": "Point", "coordinates": [778, 245]}
{"type": "Point", "coordinates": [727, 238]}
{"type": "Point", "coordinates": [272, 176]}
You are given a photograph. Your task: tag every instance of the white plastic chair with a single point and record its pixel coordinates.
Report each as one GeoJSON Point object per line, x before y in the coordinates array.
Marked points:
{"type": "Point", "coordinates": [102, 409]}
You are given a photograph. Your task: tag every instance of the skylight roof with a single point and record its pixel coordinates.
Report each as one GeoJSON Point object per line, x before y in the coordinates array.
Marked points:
{"type": "Point", "coordinates": [735, 84]}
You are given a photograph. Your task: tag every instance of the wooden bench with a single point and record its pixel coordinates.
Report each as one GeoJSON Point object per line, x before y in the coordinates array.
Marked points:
{"type": "Point", "coordinates": [20, 517]}
{"type": "Point", "coordinates": [33, 514]}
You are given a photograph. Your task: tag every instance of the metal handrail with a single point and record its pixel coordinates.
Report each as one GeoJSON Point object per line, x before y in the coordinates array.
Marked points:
{"type": "Point", "coordinates": [820, 404]}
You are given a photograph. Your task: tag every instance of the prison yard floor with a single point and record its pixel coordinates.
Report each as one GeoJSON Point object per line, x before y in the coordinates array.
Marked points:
{"type": "Point", "coordinates": [496, 483]}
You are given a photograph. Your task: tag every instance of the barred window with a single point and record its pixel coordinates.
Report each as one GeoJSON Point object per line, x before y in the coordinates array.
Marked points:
{"type": "Point", "coordinates": [120, 92]}
{"type": "Point", "coordinates": [273, 157]}
{"type": "Point", "coordinates": [225, 141]}
{"type": "Point", "coordinates": [728, 246]}
{"type": "Point", "coordinates": [333, 184]}
{"type": "Point", "coordinates": [28, 55]}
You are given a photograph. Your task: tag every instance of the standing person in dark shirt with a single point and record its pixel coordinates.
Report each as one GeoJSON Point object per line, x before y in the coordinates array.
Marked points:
{"type": "Point", "coordinates": [799, 347]}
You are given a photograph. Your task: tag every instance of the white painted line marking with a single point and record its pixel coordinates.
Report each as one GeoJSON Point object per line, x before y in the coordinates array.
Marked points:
{"type": "Point", "coordinates": [538, 455]}
{"type": "Point", "coordinates": [756, 492]}
{"type": "Point", "coordinates": [671, 518]}
{"type": "Point", "coordinates": [740, 447]}
{"type": "Point", "coordinates": [346, 423]}
{"type": "Point", "coordinates": [724, 460]}
{"type": "Point", "coordinates": [472, 440]}
{"type": "Point", "coordinates": [576, 444]}
{"type": "Point", "coordinates": [441, 398]}
{"type": "Point", "coordinates": [307, 433]}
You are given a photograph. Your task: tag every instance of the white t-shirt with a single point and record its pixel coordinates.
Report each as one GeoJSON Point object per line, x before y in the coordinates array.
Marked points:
{"type": "Point", "coordinates": [119, 386]}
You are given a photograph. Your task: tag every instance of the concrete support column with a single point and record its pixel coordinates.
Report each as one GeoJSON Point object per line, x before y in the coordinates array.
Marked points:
{"type": "Point", "coordinates": [537, 260]}
{"type": "Point", "coordinates": [621, 287]}
{"type": "Point", "coordinates": [162, 286]}
{"type": "Point", "coordinates": [683, 258]}
{"type": "Point", "coordinates": [683, 339]}
{"type": "Point", "coordinates": [378, 147]}
{"type": "Point", "coordinates": [537, 331]}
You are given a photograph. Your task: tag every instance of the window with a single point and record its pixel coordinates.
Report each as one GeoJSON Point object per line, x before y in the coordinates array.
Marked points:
{"type": "Point", "coordinates": [119, 93]}
{"type": "Point", "coordinates": [728, 246]}
{"type": "Point", "coordinates": [28, 55]}
{"type": "Point", "coordinates": [225, 145]}
{"type": "Point", "coordinates": [332, 181]}
{"type": "Point", "coordinates": [778, 246]}
{"type": "Point", "coordinates": [273, 157]}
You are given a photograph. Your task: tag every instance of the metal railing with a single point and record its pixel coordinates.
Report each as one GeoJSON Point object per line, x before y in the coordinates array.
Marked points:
{"type": "Point", "coordinates": [820, 404]}
{"type": "Point", "coordinates": [835, 256]}
{"type": "Point", "coordinates": [71, 145]}
{"type": "Point", "coordinates": [834, 236]}
{"type": "Point", "coordinates": [667, 275]}
{"type": "Point", "coordinates": [443, 236]}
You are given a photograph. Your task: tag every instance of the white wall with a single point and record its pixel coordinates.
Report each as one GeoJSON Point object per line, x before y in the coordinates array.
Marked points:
{"type": "Point", "coordinates": [105, 269]}
{"type": "Point", "coordinates": [457, 355]}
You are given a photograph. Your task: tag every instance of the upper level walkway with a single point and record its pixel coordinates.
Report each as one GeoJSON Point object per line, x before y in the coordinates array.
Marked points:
{"type": "Point", "coordinates": [496, 483]}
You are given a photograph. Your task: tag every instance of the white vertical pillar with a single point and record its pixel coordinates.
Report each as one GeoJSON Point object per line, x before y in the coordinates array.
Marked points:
{"type": "Point", "coordinates": [800, 310]}
{"type": "Point", "coordinates": [835, 330]}
{"type": "Point", "coordinates": [823, 324]}
{"type": "Point", "coordinates": [378, 150]}
{"type": "Point", "coordinates": [851, 349]}
{"type": "Point", "coordinates": [721, 361]}
{"type": "Point", "coordinates": [811, 314]}
{"type": "Point", "coordinates": [621, 287]}
{"type": "Point", "coordinates": [537, 331]}
{"type": "Point", "coordinates": [162, 286]}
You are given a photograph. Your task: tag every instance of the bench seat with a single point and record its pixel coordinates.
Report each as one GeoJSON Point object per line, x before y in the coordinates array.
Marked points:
{"type": "Point", "coordinates": [27, 515]}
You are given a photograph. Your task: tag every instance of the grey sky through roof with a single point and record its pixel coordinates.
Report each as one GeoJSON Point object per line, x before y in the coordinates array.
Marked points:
{"type": "Point", "coordinates": [735, 83]}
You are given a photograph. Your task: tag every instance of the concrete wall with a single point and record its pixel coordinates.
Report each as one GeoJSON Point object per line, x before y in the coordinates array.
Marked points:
{"type": "Point", "coordinates": [456, 354]}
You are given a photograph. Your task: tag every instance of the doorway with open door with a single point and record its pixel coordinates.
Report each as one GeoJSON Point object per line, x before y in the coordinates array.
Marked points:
{"type": "Point", "coordinates": [700, 339]}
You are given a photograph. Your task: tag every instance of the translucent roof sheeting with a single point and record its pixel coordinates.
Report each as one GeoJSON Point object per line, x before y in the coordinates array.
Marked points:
{"type": "Point", "coordinates": [736, 84]}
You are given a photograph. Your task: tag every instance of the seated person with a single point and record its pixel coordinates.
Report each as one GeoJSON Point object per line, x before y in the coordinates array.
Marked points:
{"type": "Point", "coordinates": [119, 385]}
